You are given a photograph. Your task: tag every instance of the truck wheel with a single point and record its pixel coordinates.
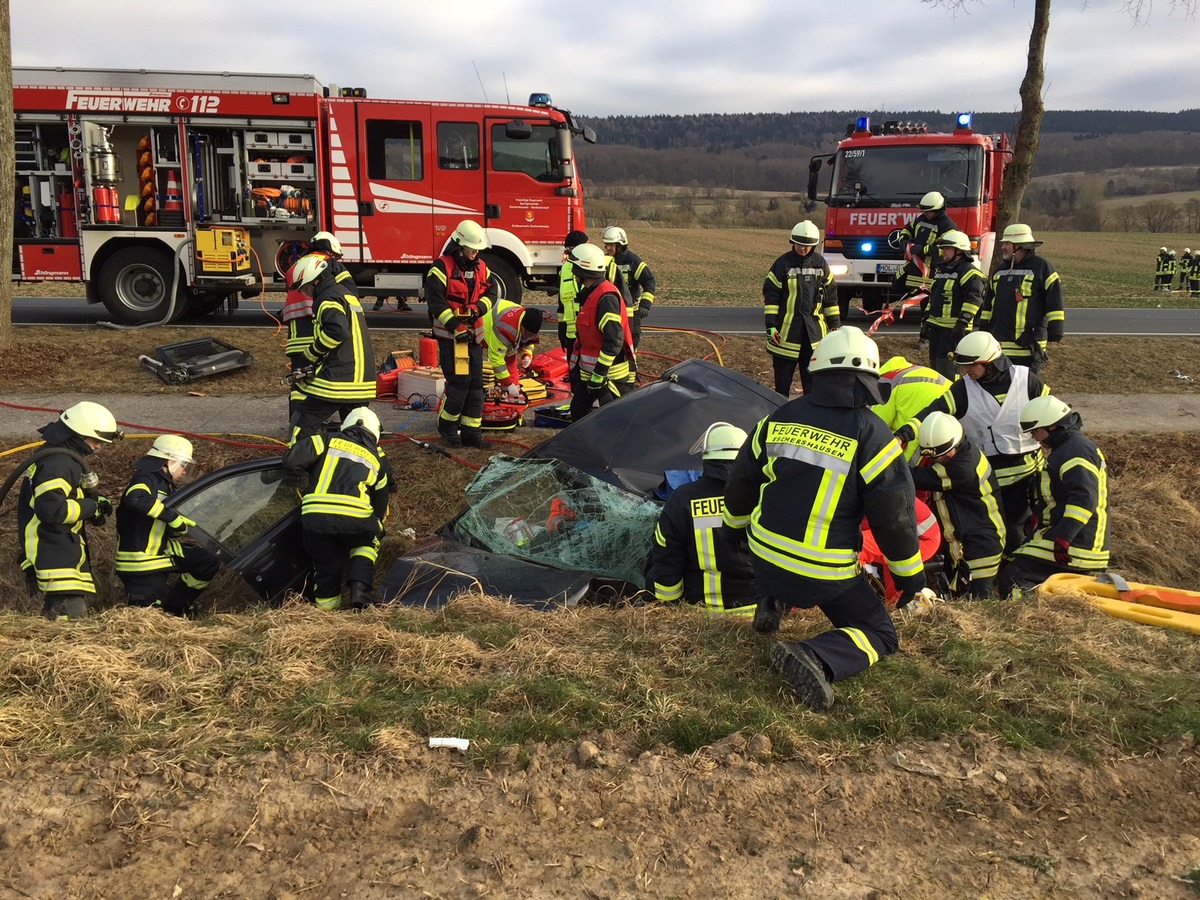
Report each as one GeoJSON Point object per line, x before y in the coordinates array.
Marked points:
{"type": "Point", "coordinates": [505, 275]}
{"type": "Point", "coordinates": [135, 285]}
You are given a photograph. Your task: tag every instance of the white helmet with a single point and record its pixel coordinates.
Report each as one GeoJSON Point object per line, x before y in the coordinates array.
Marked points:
{"type": "Point", "coordinates": [588, 258]}
{"type": "Point", "coordinates": [1042, 412]}
{"type": "Point", "coordinates": [955, 239]}
{"type": "Point", "coordinates": [847, 349]}
{"type": "Point", "coordinates": [977, 347]}
{"type": "Point", "coordinates": [363, 417]}
{"type": "Point", "coordinates": [806, 234]}
{"type": "Point", "coordinates": [331, 244]}
{"type": "Point", "coordinates": [174, 447]}
{"type": "Point", "coordinates": [720, 441]}
{"type": "Point", "coordinates": [88, 419]}
{"type": "Point", "coordinates": [306, 270]}
{"type": "Point", "coordinates": [1187, 250]}
{"type": "Point", "coordinates": [614, 234]}
{"type": "Point", "coordinates": [939, 434]}
{"type": "Point", "coordinates": [932, 201]}
{"type": "Point", "coordinates": [470, 235]}
{"type": "Point", "coordinates": [1171, 253]}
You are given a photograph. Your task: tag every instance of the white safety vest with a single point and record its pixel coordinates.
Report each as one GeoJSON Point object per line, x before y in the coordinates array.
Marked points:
{"type": "Point", "coordinates": [996, 428]}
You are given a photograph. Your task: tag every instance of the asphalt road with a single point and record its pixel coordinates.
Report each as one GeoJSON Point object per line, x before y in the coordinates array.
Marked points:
{"type": "Point", "coordinates": [1165, 322]}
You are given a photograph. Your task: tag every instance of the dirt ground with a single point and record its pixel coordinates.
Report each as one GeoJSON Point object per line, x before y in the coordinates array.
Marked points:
{"type": "Point", "coordinates": [965, 818]}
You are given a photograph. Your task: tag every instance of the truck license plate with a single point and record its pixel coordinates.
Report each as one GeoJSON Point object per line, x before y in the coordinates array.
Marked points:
{"type": "Point", "coordinates": [887, 268]}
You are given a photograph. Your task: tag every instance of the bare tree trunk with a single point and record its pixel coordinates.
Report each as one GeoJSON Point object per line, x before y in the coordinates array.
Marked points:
{"type": "Point", "coordinates": [1029, 126]}
{"type": "Point", "coordinates": [8, 177]}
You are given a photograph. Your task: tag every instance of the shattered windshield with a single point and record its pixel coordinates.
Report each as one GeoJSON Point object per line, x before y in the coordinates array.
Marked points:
{"type": "Point", "coordinates": [546, 511]}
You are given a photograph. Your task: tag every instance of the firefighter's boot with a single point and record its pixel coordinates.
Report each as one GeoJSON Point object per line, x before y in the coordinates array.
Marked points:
{"type": "Point", "coordinates": [473, 437]}
{"type": "Point", "coordinates": [768, 614]}
{"type": "Point", "coordinates": [449, 433]}
{"type": "Point", "coordinates": [362, 595]}
{"type": "Point", "coordinates": [64, 605]}
{"type": "Point", "coordinates": [805, 673]}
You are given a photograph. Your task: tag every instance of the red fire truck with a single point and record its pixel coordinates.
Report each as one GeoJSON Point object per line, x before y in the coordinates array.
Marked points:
{"type": "Point", "coordinates": [878, 177]}
{"type": "Point", "coordinates": [173, 191]}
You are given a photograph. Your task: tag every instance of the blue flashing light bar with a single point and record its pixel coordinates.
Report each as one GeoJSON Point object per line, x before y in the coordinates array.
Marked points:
{"type": "Point", "coordinates": [862, 123]}
{"type": "Point", "coordinates": [964, 120]}
{"type": "Point", "coordinates": [540, 100]}
{"type": "Point", "coordinates": [866, 246]}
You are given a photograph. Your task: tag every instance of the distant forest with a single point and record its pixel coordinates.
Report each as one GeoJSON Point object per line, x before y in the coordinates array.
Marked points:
{"type": "Point", "coordinates": [770, 152]}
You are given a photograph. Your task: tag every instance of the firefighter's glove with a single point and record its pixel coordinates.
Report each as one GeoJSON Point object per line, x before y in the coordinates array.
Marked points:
{"type": "Point", "coordinates": [512, 391]}
{"type": "Point", "coordinates": [773, 336]}
{"type": "Point", "coordinates": [178, 526]}
{"type": "Point", "coordinates": [463, 335]}
{"type": "Point", "coordinates": [595, 382]}
{"type": "Point", "coordinates": [904, 434]}
{"type": "Point", "coordinates": [906, 598]}
{"type": "Point", "coordinates": [959, 332]}
{"type": "Point", "coordinates": [1062, 551]}
{"type": "Point", "coordinates": [643, 311]}
{"type": "Point", "coordinates": [104, 509]}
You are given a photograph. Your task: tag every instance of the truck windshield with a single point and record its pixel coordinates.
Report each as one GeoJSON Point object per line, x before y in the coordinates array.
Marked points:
{"type": "Point", "coordinates": [895, 175]}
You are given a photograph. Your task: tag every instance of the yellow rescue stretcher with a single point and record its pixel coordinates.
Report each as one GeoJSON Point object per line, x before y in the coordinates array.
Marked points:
{"type": "Point", "coordinates": [1150, 604]}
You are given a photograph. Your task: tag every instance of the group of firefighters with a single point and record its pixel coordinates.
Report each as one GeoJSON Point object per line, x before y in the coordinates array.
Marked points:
{"type": "Point", "coordinates": [834, 483]}
{"type": "Point", "coordinates": [1016, 490]}
{"type": "Point", "coordinates": [1187, 265]}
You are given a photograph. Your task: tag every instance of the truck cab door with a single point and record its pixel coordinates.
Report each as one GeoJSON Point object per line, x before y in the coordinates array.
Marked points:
{"type": "Point", "coordinates": [526, 190]}
{"type": "Point", "coordinates": [383, 192]}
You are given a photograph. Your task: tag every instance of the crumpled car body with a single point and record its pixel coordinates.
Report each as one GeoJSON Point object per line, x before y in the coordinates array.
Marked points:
{"type": "Point", "coordinates": [250, 518]}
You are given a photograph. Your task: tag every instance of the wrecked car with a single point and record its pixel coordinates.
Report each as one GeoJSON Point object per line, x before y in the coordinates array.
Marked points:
{"type": "Point", "coordinates": [572, 521]}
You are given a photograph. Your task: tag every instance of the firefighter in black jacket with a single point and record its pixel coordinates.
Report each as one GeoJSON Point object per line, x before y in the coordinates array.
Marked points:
{"type": "Point", "coordinates": [150, 536]}
{"type": "Point", "coordinates": [604, 357]}
{"type": "Point", "coordinates": [959, 290]}
{"type": "Point", "coordinates": [988, 401]}
{"type": "Point", "coordinates": [800, 304]}
{"type": "Point", "coordinates": [696, 559]}
{"type": "Point", "coordinates": [1072, 507]}
{"type": "Point", "coordinates": [457, 288]}
{"type": "Point", "coordinates": [919, 240]}
{"type": "Point", "coordinates": [801, 486]}
{"type": "Point", "coordinates": [1026, 308]}
{"type": "Point", "coordinates": [633, 276]}
{"type": "Point", "coordinates": [966, 501]}
{"type": "Point", "coordinates": [297, 311]}
{"type": "Point", "coordinates": [344, 508]}
{"type": "Point", "coordinates": [1164, 270]}
{"type": "Point", "coordinates": [340, 359]}
{"type": "Point", "coordinates": [59, 496]}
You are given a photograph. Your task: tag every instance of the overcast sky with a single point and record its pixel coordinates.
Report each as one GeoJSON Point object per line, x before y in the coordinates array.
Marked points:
{"type": "Point", "coordinates": [645, 57]}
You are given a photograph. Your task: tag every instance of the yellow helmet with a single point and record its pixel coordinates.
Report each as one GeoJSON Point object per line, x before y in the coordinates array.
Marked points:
{"type": "Point", "coordinates": [88, 419]}
{"type": "Point", "coordinates": [932, 201]}
{"type": "Point", "coordinates": [588, 258]}
{"type": "Point", "coordinates": [939, 434]}
{"type": "Point", "coordinates": [470, 235]}
{"type": "Point", "coordinates": [720, 441]}
{"type": "Point", "coordinates": [977, 347]}
{"type": "Point", "coordinates": [363, 417]}
{"type": "Point", "coordinates": [806, 234]}
{"type": "Point", "coordinates": [1042, 412]}
{"type": "Point", "coordinates": [847, 349]}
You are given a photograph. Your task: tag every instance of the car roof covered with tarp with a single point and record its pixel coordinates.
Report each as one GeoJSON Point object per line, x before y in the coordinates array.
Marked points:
{"type": "Point", "coordinates": [574, 519]}
{"type": "Point", "coordinates": [633, 441]}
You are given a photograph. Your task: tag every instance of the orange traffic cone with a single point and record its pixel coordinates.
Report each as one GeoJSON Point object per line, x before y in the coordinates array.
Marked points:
{"type": "Point", "coordinates": [172, 199]}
